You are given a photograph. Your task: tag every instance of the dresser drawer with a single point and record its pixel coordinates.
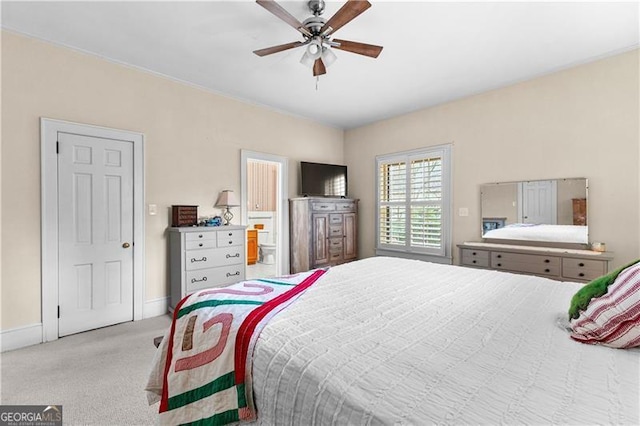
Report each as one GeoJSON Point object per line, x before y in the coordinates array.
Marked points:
{"type": "Point", "coordinates": [323, 207]}
{"type": "Point", "coordinates": [476, 254]}
{"type": "Point", "coordinates": [529, 263]}
{"type": "Point", "coordinates": [478, 258]}
{"type": "Point", "coordinates": [208, 258]}
{"type": "Point", "coordinates": [335, 245]}
{"type": "Point", "coordinates": [580, 274]}
{"type": "Point", "coordinates": [230, 238]}
{"type": "Point", "coordinates": [583, 269]}
{"type": "Point", "coordinates": [335, 231]}
{"type": "Point", "coordinates": [201, 244]}
{"type": "Point", "coordinates": [335, 219]}
{"type": "Point", "coordinates": [346, 207]}
{"type": "Point", "coordinates": [594, 265]}
{"type": "Point", "coordinates": [335, 257]}
{"type": "Point", "coordinates": [213, 277]}
{"type": "Point", "coordinates": [200, 236]}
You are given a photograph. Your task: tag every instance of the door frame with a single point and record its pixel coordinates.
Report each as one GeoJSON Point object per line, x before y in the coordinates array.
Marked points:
{"type": "Point", "coordinates": [49, 129]}
{"type": "Point", "coordinates": [282, 246]}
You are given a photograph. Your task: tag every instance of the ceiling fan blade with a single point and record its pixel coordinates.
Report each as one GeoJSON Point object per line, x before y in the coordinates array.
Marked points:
{"type": "Point", "coordinates": [319, 68]}
{"type": "Point", "coordinates": [275, 49]}
{"type": "Point", "coordinates": [281, 13]}
{"type": "Point", "coordinates": [347, 12]}
{"type": "Point", "coordinates": [359, 48]}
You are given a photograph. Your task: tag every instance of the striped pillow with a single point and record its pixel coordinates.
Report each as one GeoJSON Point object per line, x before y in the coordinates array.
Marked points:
{"type": "Point", "coordinates": [613, 319]}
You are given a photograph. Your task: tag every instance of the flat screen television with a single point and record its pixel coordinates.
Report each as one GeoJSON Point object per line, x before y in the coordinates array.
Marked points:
{"type": "Point", "coordinates": [325, 180]}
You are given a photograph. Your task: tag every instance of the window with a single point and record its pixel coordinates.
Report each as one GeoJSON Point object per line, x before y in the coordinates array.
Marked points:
{"type": "Point", "coordinates": [414, 203]}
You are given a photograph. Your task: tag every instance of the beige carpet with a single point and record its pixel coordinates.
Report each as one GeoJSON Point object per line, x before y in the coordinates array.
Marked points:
{"type": "Point", "coordinates": [98, 376]}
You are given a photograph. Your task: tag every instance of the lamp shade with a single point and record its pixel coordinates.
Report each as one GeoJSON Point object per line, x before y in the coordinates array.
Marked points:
{"type": "Point", "coordinates": [307, 60]}
{"type": "Point", "coordinates": [328, 57]}
{"type": "Point", "coordinates": [227, 198]}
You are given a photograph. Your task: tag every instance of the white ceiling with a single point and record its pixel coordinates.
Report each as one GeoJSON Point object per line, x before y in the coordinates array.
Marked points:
{"type": "Point", "coordinates": [433, 52]}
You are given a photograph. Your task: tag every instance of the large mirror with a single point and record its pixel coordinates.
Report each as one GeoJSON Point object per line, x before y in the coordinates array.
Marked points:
{"type": "Point", "coordinates": [552, 211]}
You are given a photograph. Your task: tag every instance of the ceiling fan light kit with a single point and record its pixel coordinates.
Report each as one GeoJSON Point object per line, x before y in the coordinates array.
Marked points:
{"type": "Point", "coordinates": [328, 57]}
{"type": "Point", "coordinates": [317, 33]}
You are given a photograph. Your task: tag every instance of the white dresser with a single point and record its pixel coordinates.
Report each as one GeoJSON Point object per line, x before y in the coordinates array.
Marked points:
{"type": "Point", "coordinates": [203, 257]}
{"type": "Point", "coordinates": [555, 263]}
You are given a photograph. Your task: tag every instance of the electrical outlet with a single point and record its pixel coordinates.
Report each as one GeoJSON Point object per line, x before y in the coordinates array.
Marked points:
{"type": "Point", "coordinates": [153, 209]}
{"type": "Point", "coordinates": [463, 211]}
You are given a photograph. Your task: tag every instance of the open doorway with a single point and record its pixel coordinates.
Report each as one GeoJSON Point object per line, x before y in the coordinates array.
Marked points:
{"type": "Point", "coordinates": [265, 213]}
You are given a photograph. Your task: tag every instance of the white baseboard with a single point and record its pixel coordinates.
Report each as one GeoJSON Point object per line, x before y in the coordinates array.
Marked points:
{"type": "Point", "coordinates": [20, 337]}
{"type": "Point", "coordinates": [155, 307]}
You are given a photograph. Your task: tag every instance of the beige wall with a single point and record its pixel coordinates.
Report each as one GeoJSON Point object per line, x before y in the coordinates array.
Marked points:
{"type": "Point", "coordinates": [581, 122]}
{"type": "Point", "coordinates": [193, 140]}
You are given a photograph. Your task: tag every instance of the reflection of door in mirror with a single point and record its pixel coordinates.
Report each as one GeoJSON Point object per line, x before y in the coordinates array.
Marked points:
{"type": "Point", "coordinates": [539, 202]}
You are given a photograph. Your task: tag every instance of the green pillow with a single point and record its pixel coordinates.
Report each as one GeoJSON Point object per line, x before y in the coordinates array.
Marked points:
{"type": "Point", "coordinates": [593, 290]}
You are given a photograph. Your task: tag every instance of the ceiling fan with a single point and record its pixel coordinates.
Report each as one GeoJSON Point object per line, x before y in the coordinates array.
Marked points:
{"type": "Point", "coordinates": [317, 33]}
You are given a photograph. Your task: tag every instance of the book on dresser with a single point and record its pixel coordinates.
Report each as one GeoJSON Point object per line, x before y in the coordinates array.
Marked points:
{"type": "Point", "coordinates": [203, 257]}
{"type": "Point", "coordinates": [555, 263]}
{"type": "Point", "coordinates": [323, 232]}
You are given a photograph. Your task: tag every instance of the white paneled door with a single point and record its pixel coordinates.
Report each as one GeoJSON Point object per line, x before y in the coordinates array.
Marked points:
{"type": "Point", "coordinates": [539, 202]}
{"type": "Point", "coordinates": [95, 225]}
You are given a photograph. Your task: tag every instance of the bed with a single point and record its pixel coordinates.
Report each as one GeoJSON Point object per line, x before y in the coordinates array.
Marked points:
{"type": "Point", "coordinates": [536, 232]}
{"type": "Point", "coordinates": [390, 341]}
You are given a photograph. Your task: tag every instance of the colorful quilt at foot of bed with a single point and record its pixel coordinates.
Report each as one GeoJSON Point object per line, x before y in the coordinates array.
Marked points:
{"type": "Point", "coordinates": [207, 376]}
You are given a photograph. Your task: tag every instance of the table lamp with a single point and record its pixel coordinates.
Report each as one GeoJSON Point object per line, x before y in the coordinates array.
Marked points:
{"type": "Point", "coordinates": [227, 199]}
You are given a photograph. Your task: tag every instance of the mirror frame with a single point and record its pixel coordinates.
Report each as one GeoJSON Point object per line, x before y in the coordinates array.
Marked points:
{"type": "Point", "coordinates": [522, 242]}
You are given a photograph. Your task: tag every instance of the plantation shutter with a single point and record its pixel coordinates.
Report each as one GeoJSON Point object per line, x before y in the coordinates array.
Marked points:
{"type": "Point", "coordinates": [393, 209]}
{"type": "Point", "coordinates": [412, 200]}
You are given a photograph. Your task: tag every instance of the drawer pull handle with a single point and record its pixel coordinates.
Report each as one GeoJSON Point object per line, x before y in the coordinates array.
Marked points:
{"type": "Point", "coordinates": [581, 274]}
{"type": "Point", "coordinates": [230, 242]}
{"type": "Point", "coordinates": [229, 256]}
{"type": "Point", "coordinates": [193, 280]}
{"type": "Point", "coordinates": [230, 234]}
{"type": "Point", "coordinates": [234, 274]}
{"type": "Point", "coordinates": [204, 259]}
{"type": "Point", "coordinates": [580, 264]}
{"type": "Point", "coordinates": [499, 264]}
{"type": "Point", "coordinates": [499, 256]}
{"type": "Point", "coordinates": [474, 253]}
{"type": "Point", "coordinates": [200, 236]}
{"type": "Point", "coordinates": [547, 261]}
{"type": "Point", "coordinates": [473, 261]}
{"type": "Point", "coordinates": [200, 245]}
{"type": "Point", "coordinates": [547, 270]}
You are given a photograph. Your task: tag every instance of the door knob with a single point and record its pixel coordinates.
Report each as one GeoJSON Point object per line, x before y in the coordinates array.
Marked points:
{"type": "Point", "coordinates": [126, 245]}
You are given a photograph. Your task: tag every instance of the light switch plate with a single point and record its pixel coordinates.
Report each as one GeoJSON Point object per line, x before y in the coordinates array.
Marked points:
{"type": "Point", "coordinates": [153, 209]}
{"type": "Point", "coordinates": [463, 211]}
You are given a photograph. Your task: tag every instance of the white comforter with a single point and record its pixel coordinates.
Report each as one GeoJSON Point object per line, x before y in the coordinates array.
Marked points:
{"type": "Point", "coordinates": [388, 341]}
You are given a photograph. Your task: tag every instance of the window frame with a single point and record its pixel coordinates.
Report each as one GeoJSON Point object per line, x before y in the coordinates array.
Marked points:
{"type": "Point", "coordinates": [443, 254]}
